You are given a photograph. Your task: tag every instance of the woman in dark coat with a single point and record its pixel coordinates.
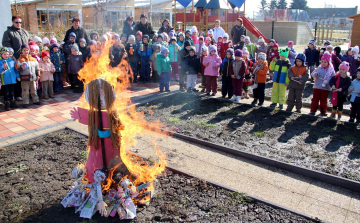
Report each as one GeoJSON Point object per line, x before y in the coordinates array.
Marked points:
{"type": "Point", "coordinates": [129, 25]}
{"type": "Point", "coordinates": [165, 27]}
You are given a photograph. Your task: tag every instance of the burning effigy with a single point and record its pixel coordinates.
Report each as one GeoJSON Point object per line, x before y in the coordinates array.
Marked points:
{"type": "Point", "coordinates": [113, 180]}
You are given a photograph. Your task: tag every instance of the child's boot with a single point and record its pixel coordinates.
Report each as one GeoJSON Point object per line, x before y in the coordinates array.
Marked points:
{"type": "Point", "coordinates": [7, 105]}
{"type": "Point", "coordinates": [233, 98]}
{"type": "Point", "coordinates": [238, 99]}
{"type": "Point", "coordinates": [339, 115]}
{"type": "Point", "coordinates": [254, 102]}
{"type": "Point", "coordinates": [273, 105]}
{"type": "Point", "coordinates": [189, 90]}
{"type": "Point", "coordinates": [281, 106]}
{"type": "Point", "coordinates": [13, 104]}
{"type": "Point", "coordinates": [333, 114]}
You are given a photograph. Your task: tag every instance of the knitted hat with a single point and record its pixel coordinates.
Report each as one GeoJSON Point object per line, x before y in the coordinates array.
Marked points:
{"type": "Point", "coordinates": [123, 35]}
{"type": "Point", "coordinates": [187, 43]}
{"type": "Point", "coordinates": [181, 34]}
{"type": "Point", "coordinates": [247, 38]}
{"type": "Point", "coordinates": [275, 45]}
{"type": "Point", "coordinates": [231, 51]}
{"type": "Point", "coordinates": [201, 38]}
{"type": "Point", "coordinates": [355, 49]}
{"type": "Point", "coordinates": [312, 42]}
{"type": "Point", "coordinates": [284, 52]}
{"type": "Point", "coordinates": [55, 45]}
{"type": "Point", "coordinates": [262, 55]}
{"type": "Point", "coordinates": [164, 50]}
{"type": "Point", "coordinates": [3, 50]}
{"type": "Point", "coordinates": [205, 49]}
{"type": "Point", "coordinates": [104, 38]}
{"type": "Point", "coordinates": [192, 49]}
{"type": "Point", "coordinates": [173, 39]}
{"type": "Point", "coordinates": [92, 42]}
{"type": "Point", "coordinates": [207, 39]}
{"type": "Point", "coordinates": [37, 39]}
{"type": "Point", "coordinates": [330, 47]}
{"type": "Point", "coordinates": [212, 48]}
{"type": "Point", "coordinates": [53, 40]}
{"type": "Point", "coordinates": [327, 42]}
{"type": "Point", "coordinates": [139, 33]}
{"type": "Point", "coordinates": [45, 54]}
{"type": "Point", "coordinates": [161, 36]}
{"type": "Point", "coordinates": [272, 40]}
{"type": "Point", "coordinates": [143, 16]}
{"type": "Point", "coordinates": [210, 32]}
{"type": "Point", "coordinates": [155, 35]}
{"type": "Point", "coordinates": [261, 40]}
{"type": "Point", "coordinates": [32, 43]}
{"type": "Point", "coordinates": [344, 65]}
{"type": "Point", "coordinates": [132, 37]}
{"type": "Point", "coordinates": [116, 36]}
{"type": "Point", "coordinates": [326, 56]}
{"type": "Point", "coordinates": [72, 34]}
{"type": "Point", "coordinates": [145, 36]}
{"type": "Point", "coordinates": [242, 36]}
{"type": "Point", "coordinates": [172, 33]}
{"type": "Point", "coordinates": [24, 46]}
{"type": "Point", "coordinates": [75, 47]}
{"type": "Point", "coordinates": [238, 53]}
{"type": "Point", "coordinates": [226, 36]}
{"type": "Point", "coordinates": [11, 49]}
{"type": "Point", "coordinates": [220, 37]}
{"type": "Point", "coordinates": [82, 40]}
{"type": "Point", "coordinates": [245, 52]}
{"type": "Point", "coordinates": [187, 31]}
{"type": "Point", "coordinates": [291, 43]}
{"type": "Point", "coordinates": [157, 46]}
{"type": "Point", "coordinates": [33, 47]}
{"type": "Point", "coordinates": [194, 29]}
{"type": "Point", "coordinates": [301, 57]}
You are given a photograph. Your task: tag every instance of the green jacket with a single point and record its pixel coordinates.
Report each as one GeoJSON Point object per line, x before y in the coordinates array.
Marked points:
{"type": "Point", "coordinates": [163, 63]}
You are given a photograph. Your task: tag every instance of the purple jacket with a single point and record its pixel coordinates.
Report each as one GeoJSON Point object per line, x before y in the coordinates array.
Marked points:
{"type": "Point", "coordinates": [354, 64]}
{"type": "Point", "coordinates": [335, 61]}
{"type": "Point", "coordinates": [212, 64]}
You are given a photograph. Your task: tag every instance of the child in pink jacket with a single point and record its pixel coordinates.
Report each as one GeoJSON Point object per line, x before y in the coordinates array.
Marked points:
{"type": "Point", "coordinates": [47, 70]}
{"type": "Point", "coordinates": [212, 64]}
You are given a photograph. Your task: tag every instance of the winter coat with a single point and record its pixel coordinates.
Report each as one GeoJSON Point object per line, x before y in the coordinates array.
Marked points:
{"type": "Point", "coordinates": [75, 63]}
{"type": "Point", "coordinates": [299, 74]}
{"type": "Point", "coordinates": [224, 69]}
{"type": "Point", "coordinates": [292, 56]}
{"type": "Point", "coordinates": [181, 44]}
{"type": "Point", "coordinates": [192, 64]}
{"type": "Point", "coordinates": [10, 75]}
{"type": "Point", "coordinates": [181, 56]}
{"type": "Point", "coordinates": [134, 56]}
{"type": "Point", "coordinates": [46, 74]}
{"type": "Point", "coordinates": [321, 75]}
{"type": "Point", "coordinates": [190, 39]}
{"type": "Point", "coordinates": [281, 71]}
{"type": "Point", "coordinates": [260, 49]}
{"type": "Point", "coordinates": [195, 39]}
{"type": "Point", "coordinates": [198, 49]}
{"type": "Point", "coordinates": [224, 48]}
{"type": "Point", "coordinates": [262, 73]}
{"type": "Point", "coordinates": [251, 48]}
{"type": "Point", "coordinates": [335, 61]}
{"type": "Point", "coordinates": [202, 58]}
{"type": "Point", "coordinates": [67, 49]}
{"type": "Point", "coordinates": [354, 64]}
{"type": "Point", "coordinates": [55, 59]}
{"type": "Point", "coordinates": [79, 32]}
{"type": "Point", "coordinates": [127, 29]}
{"type": "Point", "coordinates": [173, 52]}
{"type": "Point", "coordinates": [238, 68]}
{"type": "Point", "coordinates": [153, 60]}
{"type": "Point", "coordinates": [14, 38]}
{"type": "Point", "coordinates": [163, 64]}
{"type": "Point", "coordinates": [218, 32]}
{"type": "Point", "coordinates": [344, 85]}
{"type": "Point", "coordinates": [355, 85]}
{"type": "Point", "coordinates": [164, 29]}
{"type": "Point", "coordinates": [146, 53]}
{"type": "Point", "coordinates": [212, 64]}
{"type": "Point", "coordinates": [32, 72]}
{"type": "Point", "coordinates": [115, 55]}
{"type": "Point", "coordinates": [312, 56]}
{"type": "Point", "coordinates": [85, 52]}
{"type": "Point", "coordinates": [236, 33]}
{"type": "Point", "coordinates": [273, 55]}
{"type": "Point", "coordinates": [145, 29]}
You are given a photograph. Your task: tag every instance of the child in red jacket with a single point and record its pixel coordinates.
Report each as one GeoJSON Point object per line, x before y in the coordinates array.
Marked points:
{"type": "Point", "coordinates": [204, 53]}
{"type": "Point", "coordinates": [225, 45]}
{"type": "Point", "coordinates": [219, 46]}
{"type": "Point", "coordinates": [247, 81]}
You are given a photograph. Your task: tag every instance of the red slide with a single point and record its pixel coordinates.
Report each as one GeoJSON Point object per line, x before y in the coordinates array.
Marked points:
{"type": "Point", "coordinates": [250, 27]}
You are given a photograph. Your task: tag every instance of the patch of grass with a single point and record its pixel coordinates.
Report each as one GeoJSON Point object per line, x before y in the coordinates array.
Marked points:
{"type": "Point", "coordinates": [232, 111]}
{"type": "Point", "coordinates": [258, 134]}
{"type": "Point", "coordinates": [23, 187]}
{"type": "Point", "coordinates": [65, 136]}
{"type": "Point", "coordinates": [204, 124]}
{"type": "Point", "coordinates": [19, 168]}
{"type": "Point", "coordinates": [13, 206]}
{"type": "Point", "coordinates": [352, 176]}
{"type": "Point", "coordinates": [188, 127]}
{"type": "Point", "coordinates": [175, 112]}
{"type": "Point", "coordinates": [240, 197]}
{"type": "Point", "coordinates": [174, 120]}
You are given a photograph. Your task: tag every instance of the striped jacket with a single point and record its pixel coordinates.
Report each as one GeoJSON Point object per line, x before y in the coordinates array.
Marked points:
{"type": "Point", "coordinates": [31, 71]}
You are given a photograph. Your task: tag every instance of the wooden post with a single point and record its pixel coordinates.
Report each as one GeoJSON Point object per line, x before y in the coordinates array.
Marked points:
{"type": "Point", "coordinates": [226, 21]}
{"type": "Point", "coordinates": [207, 21]}
{"type": "Point", "coordinates": [238, 12]}
{"type": "Point", "coordinates": [244, 9]}
{"type": "Point", "coordinates": [327, 32]}
{"type": "Point", "coordinates": [175, 16]}
{"type": "Point", "coordinates": [332, 30]}
{"type": "Point", "coordinates": [193, 11]}
{"type": "Point", "coordinates": [323, 34]}
{"type": "Point", "coordinates": [184, 20]}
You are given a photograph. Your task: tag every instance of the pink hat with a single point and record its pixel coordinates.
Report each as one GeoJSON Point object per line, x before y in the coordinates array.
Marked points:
{"type": "Point", "coordinates": [291, 43]}
{"type": "Point", "coordinates": [344, 65]}
{"type": "Point", "coordinates": [53, 40]}
{"type": "Point", "coordinates": [245, 53]}
{"type": "Point", "coordinates": [326, 57]}
{"type": "Point", "coordinates": [34, 47]}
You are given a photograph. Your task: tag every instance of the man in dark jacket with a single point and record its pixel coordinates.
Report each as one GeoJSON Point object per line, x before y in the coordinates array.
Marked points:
{"type": "Point", "coordinates": [80, 32]}
{"type": "Point", "coordinates": [144, 26]}
{"type": "Point", "coordinates": [15, 36]}
{"type": "Point", "coordinates": [237, 31]}
{"type": "Point", "coordinates": [181, 58]}
{"type": "Point", "coordinates": [129, 25]}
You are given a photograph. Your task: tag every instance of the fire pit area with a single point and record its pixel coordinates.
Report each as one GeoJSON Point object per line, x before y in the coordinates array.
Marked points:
{"type": "Point", "coordinates": [36, 175]}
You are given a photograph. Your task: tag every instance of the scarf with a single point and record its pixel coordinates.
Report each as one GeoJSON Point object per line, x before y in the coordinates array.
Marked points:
{"type": "Point", "coordinates": [334, 95]}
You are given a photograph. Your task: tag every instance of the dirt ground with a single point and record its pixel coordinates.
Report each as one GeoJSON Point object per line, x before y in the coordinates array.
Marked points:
{"type": "Point", "coordinates": [41, 175]}
{"type": "Point", "coordinates": [306, 141]}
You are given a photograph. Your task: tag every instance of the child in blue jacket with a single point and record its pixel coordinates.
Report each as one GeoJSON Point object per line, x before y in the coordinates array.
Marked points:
{"type": "Point", "coordinates": [57, 58]}
{"type": "Point", "coordinates": [354, 90]}
{"type": "Point", "coordinates": [8, 75]}
{"type": "Point", "coordinates": [145, 54]}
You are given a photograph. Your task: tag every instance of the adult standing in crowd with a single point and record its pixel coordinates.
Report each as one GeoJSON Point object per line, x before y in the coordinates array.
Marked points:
{"type": "Point", "coordinates": [14, 37]}
{"type": "Point", "coordinates": [218, 31]}
{"type": "Point", "coordinates": [129, 25]}
{"type": "Point", "coordinates": [79, 32]}
{"type": "Point", "coordinates": [165, 27]}
{"type": "Point", "coordinates": [237, 31]}
{"type": "Point", "coordinates": [144, 26]}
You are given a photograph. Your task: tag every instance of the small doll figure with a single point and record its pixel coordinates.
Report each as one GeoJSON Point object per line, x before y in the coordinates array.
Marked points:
{"type": "Point", "coordinates": [101, 96]}
{"type": "Point", "coordinates": [126, 192]}
{"type": "Point", "coordinates": [77, 193]}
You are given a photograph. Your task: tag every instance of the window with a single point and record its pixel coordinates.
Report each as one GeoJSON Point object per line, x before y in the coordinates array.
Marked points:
{"type": "Point", "coordinates": [56, 18]}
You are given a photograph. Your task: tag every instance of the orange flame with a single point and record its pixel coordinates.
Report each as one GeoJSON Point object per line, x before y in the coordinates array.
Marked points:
{"type": "Point", "coordinates": [135, 123]}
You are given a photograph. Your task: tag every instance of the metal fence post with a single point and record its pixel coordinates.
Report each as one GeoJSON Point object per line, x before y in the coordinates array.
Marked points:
{"type": "Point", "coordinates": [315, 31]}
{"type": "Point", "coordinates": [272, 30]}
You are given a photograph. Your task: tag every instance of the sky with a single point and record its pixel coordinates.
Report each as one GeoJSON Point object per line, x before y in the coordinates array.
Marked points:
{"type": "Point", "coordinates": [253, 5]}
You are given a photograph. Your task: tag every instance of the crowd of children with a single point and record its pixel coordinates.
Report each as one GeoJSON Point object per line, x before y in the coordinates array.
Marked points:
{"type": "Point", "coordinates": [45, 66]}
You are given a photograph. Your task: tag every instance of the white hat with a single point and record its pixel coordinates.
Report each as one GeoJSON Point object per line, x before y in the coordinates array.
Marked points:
{"type": "Point", "coordinates": [45, 40]}
{"type": "Point", "coordinates": [205, 49]}
{"type": "Point", "coordinates": [194, 29]}
{"type": "Point", "coordinates": [261, 40]}
{"type": "Point", "coordinates": [37, 39]}
{"type": "Point", "coordinates": [132, 37]}
{"type": "Point", "coordinates": [210, 31]}
{"type": "Point", "coordinates": [53, 39]}
{"type": "Point", "coordinates": [355, 49]}
{"type": "Point", "coordinates": [226, 36]}
{"type": "Point", "coordinates": [247, 38]}
{"type": "Point", "coordinates": [262, 55]}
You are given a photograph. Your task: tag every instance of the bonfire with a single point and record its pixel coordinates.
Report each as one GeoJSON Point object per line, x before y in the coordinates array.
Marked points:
{"type": "Point", "coordinates": [113, 179]}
